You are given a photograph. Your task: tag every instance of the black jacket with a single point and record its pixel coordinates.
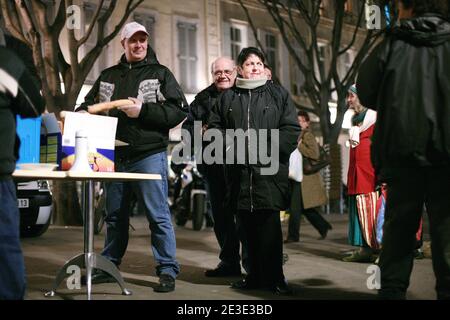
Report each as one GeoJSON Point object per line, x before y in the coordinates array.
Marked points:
{"type": "Point", "coordinates": [407, 80]}
{"type": "Point", "coordinates": [204, 101]}
{"type": "Point", "coordinates": [199, 110]}
{"type": "Point", "coordinates": [19, 95]}
{"type": "Point", "coordinates": [270, 108]}
{"type": "Point", "coordinates": [162, 108]}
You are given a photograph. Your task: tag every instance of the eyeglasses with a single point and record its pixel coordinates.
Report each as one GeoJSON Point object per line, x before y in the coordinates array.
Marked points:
{"type": "Point", "coordinates": [218, 73]}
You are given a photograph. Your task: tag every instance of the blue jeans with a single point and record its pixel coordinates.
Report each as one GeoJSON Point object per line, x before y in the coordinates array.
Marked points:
{"type": "Point", "coordinates": [153, 196]}
{"type": "Point", "coordinates": [12, 267]}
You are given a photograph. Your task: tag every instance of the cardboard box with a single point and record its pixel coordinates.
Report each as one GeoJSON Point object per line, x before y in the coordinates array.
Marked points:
{"type": "Point", "coordinates": [51, 140]}
{"type": "Point", "coordinates": [101, 134]}
{"type": "Point", "coordinates": [29, 131]}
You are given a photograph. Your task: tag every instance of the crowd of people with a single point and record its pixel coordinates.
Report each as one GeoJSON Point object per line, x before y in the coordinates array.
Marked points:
{"type": "Point", "coordinates": [400, 137]}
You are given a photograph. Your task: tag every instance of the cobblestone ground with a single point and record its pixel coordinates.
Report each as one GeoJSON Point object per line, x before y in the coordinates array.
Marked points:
{"type": "Point", "coordinates": [314, 268]}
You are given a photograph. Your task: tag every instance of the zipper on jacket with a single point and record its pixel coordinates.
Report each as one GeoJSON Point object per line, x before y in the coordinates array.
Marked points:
{"type": "Point", "coordinates": [248, 135]}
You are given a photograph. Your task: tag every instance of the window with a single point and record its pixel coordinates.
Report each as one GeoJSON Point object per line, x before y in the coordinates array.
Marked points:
{"type": "Point", "coordinates": [148, 21]}
{"type": "Point", "coordinates": [238, 39]}
{"type": "Point", "coordinates": [269, 42]}
{"type": "Point", "coordinates": [322, 58]}
{"type": "Point", "coordinates": [89, 10]}
{"type": "Point", "coordinates": [346, 62]}
{"type": "Point", "coordinates": [187, 55]}
{"type": "Point", "coordinates": [322, 52]}
{"type": "Point", "coordinates": [298, 78]}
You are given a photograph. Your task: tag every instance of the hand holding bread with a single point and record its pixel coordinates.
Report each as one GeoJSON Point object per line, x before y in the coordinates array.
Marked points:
{"type": "Point", "coordinates": [105, 106]}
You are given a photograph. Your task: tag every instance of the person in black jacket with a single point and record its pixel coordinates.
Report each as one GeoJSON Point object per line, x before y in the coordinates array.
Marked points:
{"type": "Point", "coordinates": [19, 95]}
{"type": "Point", "coordinates": [411, 141]}
{"type": "Point", "coordinates": [255, 105]}
{"type": "Point", "coordinates": [223, 71]}
{"type": "Point", "coordinates": [158, 107]}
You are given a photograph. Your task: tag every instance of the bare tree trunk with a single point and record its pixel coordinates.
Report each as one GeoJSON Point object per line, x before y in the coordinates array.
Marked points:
{"type": "Point", "coordinates": [67, 206]}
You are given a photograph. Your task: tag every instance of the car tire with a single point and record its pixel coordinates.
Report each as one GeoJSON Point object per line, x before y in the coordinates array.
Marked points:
{"type": "Point", "coordinates": [34, 231]}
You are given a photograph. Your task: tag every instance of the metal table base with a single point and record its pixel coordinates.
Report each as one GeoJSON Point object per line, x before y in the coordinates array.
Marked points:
{"type": "Point", "coordinates": [89, 260]}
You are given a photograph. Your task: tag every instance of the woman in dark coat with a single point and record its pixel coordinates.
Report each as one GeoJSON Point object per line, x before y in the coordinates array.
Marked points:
{"type": "Point", "coordinates": [255, 194]}
{"type": "Point", "coordinates": [310, 193]}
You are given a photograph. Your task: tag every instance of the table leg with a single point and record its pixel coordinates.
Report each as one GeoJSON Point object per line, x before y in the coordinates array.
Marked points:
{"type": "Point", "coordinates": [78, 260]}
{"type": "Point", "coordinates": [89, 259]}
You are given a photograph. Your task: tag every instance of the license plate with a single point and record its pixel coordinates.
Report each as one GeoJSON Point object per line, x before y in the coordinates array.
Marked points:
{"type": "Point", "coordinates": [23, 203]}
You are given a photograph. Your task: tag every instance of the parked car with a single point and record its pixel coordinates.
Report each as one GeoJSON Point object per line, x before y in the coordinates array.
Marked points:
{"type": "Point", "coordinates": [35, 203]}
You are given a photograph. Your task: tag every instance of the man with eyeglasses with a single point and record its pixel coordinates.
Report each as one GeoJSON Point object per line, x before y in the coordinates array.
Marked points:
{"type": "Point", "coordinates": [223, 71]}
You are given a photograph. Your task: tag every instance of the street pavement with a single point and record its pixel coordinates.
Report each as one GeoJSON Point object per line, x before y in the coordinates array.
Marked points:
{"type": "Point", "coordinates": [314, 269]}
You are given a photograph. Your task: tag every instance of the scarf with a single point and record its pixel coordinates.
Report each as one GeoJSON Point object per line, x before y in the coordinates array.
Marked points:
{"type": "Point", "coordinates": [250, 83]}
{"type": "Point", "coordinates": [368, 119]}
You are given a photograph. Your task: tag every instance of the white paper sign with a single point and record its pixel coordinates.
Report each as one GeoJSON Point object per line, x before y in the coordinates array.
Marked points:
{"type": "Point", "coordinates": [101, 129]}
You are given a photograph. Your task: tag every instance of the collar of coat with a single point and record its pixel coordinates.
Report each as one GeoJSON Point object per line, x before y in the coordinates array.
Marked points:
{"type": "Point", "coordinates": [250, 83]}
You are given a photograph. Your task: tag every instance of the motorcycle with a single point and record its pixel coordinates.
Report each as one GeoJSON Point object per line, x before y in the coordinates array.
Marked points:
{"type": "Point", "coordinates": [189, 196]}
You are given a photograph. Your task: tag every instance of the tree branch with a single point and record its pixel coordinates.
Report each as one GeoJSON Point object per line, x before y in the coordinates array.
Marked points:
{"type": "Point", "coordinates": [12, 21]}
{"type": "Point", "coordinates": [92, 23]}
{"type": "Point", "coordinates": [360, 15]}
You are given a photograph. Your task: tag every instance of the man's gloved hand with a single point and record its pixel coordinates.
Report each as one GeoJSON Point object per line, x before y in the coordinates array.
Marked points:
{"type": "Point", "coordinates": [132, 110]}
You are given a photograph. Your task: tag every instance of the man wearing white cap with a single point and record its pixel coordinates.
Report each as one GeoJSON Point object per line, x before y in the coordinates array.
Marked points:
{"type": "Point", "coordinates": [144, 126]}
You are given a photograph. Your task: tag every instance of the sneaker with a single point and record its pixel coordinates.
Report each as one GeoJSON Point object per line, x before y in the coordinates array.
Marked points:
{"type": "Point", "coordinates": [166, 283]}
{"type": "Point", "coordinates": [282, 288]}
{"type": "Point", "coordinates": [359, 257]}
{"type": "Point", "coordinates": [244, 284]}
{"type": "Point", "coordinates": [97, 277]}
{"type": "Point", "coordinates": [223, 270]}
{"type": "Point", "coordinates": [324, 233]}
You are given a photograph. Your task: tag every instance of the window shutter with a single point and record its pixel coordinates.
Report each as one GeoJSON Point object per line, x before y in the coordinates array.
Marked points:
{"type": "Point", "coordinates": [187, 56]}
{"type": "Point", "coordinates": [226, 43]}
{"type": "Point", "coordinates": [148, 21]}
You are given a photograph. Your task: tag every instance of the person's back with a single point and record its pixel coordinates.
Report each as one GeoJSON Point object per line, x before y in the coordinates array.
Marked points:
{"type": "Point", "coordinates": [18, 96]}
{"type": "Point", "coordinates": [414, 98]}
{"type": "Point", "coordinates": [15, 82]}
{"type": "Point", "coordinates": [407, 78]}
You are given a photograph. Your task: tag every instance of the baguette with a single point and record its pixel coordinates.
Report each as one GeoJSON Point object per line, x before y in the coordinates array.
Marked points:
{"type": "Point", "coordinates": [105, 106]}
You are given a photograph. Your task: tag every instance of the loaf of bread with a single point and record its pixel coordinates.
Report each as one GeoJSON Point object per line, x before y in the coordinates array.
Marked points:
{"type": "Point", "coordinates": [105, 106]}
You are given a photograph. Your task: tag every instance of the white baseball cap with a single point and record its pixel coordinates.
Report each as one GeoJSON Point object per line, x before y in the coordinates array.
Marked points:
{"type": "Point", "coordinates": [131, 28]}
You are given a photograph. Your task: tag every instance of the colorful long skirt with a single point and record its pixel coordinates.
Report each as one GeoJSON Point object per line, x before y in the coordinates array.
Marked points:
{"type": "Point", "coordinates": [355, 236]}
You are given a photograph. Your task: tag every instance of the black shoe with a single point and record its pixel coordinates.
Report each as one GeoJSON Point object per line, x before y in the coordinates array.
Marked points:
{"type": "Point", "coordinates": [282, 288]}
{"type": "Point", "coordinates": [97, 277]}
{"type": "Point", "coordinates": [290, 240]}
{"type": "Point", "coordinates": [324, 233]}
{"type": "Point", "coordinates": [244, 284]}
{"type": "Point", "coordinates": [166, 283]}
{"type": "Point", "coordinates": [223, 270]}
